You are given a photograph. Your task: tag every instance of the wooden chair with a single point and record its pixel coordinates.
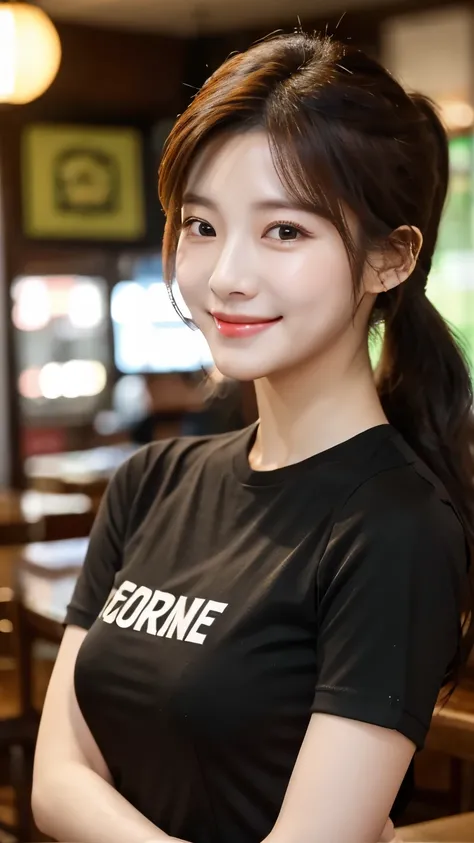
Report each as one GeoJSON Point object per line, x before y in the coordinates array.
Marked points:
{"type": "Point", "coordinates": [17, 742]}
{"type": "Point", "coordinates": [452, 732]}
{"type": "Point", "coordinates": [44, 578]}
{"type": "Point", "coordinates": [42, 516]}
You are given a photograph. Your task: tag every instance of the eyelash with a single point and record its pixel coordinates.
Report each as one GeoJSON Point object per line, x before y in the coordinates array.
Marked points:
{"type": "Point", "coordinates": [277, 224]}
{"type": "Point", "coordinates": [288, 224]}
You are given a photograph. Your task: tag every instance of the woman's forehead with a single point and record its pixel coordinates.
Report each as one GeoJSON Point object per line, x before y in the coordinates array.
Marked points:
{"type": "Point", "coordinates": [231, 161]}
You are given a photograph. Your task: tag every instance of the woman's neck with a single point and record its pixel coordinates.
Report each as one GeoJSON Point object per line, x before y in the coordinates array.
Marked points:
{"type": "Point", "coordinates": [305, 413]}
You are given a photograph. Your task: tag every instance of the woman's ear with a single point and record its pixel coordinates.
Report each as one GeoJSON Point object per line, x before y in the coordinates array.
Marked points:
{"type": "Point", "coordinates": [391, 266]}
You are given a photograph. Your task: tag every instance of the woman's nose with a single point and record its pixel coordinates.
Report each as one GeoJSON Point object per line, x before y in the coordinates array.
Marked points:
{"type": "Point", "coordinates": [234, 273]}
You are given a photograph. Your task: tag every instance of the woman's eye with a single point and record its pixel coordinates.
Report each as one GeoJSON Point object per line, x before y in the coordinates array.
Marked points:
{"type": "Point", "coordinates": [284, 232]}
{"type": "Point", "coordinates": [199, 228]}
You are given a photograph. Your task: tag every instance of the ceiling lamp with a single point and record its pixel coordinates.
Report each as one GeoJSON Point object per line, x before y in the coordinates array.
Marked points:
{"type": "Point", "coordinates": [30, 52]}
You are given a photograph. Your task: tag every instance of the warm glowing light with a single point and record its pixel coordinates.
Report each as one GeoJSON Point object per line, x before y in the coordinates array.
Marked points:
{"type": "Point", "coordinates": [32, 308]}
{"type": "Point", "coordinates": [457, 115]}
{"type": "Point", "coordinates": [30, 52]}
{"type": "Point", "coordinates": [50, 381]}
{"type": "Point", "coordinates": [81, 378]}
{"type": "Point", "coordinates": [29, 384]}
{"type": "Point", "coordinates": [74, 379]}
{"type": "Point", "coordinates": [85, 306]}
{"type": "Point", "coordinates": [59, 288]}
{"type": "Point", "coordinates": [7, 53]}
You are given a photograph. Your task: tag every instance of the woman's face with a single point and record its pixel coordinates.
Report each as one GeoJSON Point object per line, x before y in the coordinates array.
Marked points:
{"type": "Point", "coordinates": [268, 284]}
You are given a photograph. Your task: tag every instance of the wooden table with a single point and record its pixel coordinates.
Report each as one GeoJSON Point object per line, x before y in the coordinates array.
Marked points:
{"type": "Point", "coordinates": [46, 576]}
{"type": "Point", "coordinates": [40, 516]}
{"type": "Point", "coordinates": [45, 579]}
{"type": "Point", "coordinates": [77, 471]}
{"type": "Point", "coordinates": [457, 829]}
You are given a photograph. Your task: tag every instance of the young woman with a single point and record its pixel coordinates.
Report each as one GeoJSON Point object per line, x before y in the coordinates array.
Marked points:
{"type": "Point", "coordinates": [265, 618]}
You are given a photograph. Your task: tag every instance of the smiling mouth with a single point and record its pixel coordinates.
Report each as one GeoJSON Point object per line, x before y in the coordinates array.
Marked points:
{"type": "Point", "coordinates": [242, 318]}
{"type": "Point", "coordinates": [240, 327]}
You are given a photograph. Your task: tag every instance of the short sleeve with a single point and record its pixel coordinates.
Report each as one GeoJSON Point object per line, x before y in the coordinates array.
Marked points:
{"type": "Point", "coordinates": [104, 553]}
{"type": "Point", "coordinates": [389, 598]}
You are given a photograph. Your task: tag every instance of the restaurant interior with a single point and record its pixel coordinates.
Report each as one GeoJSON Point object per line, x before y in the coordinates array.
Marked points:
{"type": "Point", "coordinates": [95, 361]}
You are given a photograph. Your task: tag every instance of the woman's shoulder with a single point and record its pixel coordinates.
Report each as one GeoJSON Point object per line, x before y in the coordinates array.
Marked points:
{"type": "Point", "coordinates": [187, 451]}
{"type": "Point", "coordinates": [174, 458]}
{"type": "Point", "coordinates": [397, 520]}
{"type": "Point", "coordinates": [397, 493]}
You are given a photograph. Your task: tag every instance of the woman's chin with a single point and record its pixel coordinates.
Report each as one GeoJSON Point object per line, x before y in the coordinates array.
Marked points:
{"type": "Point", "coordinates": [238, 373]}
{"type": "Point", "coordinates": [244, 373]}
{"type": "Point", "coordinates": [238, 368]}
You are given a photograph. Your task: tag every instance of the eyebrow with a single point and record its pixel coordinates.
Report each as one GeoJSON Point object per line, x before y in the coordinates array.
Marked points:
{"type": "Point", "coordinates": [191, 198]}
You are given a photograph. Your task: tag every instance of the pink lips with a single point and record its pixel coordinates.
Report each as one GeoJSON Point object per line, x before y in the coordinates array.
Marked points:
{"type": "Point", "coordinates": [237, 327]}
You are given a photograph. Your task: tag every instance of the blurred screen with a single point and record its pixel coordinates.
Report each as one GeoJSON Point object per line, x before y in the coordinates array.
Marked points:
{"type": "Point", "coordinates": [149, 335]}
{"type": "Point", "coordinates": [451, 282]}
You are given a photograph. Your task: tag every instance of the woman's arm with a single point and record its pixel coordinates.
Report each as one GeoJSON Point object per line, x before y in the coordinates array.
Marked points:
{"type": "Point", "coordinates": [344, 783]}
{"type": "Point", "coordinates": [73, 795]}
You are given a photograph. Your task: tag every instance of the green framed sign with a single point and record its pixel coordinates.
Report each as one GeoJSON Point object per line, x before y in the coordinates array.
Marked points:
{"type": "Point", "coordinates": [82, 182]}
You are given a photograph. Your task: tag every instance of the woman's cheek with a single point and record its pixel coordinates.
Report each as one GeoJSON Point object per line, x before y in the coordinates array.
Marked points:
{"type": "Point", "coordinates": [186, 282]}
{"type": "Point", "coordinates": [184, 274]}
{"type": "Point", "coordinates": [193, 272]}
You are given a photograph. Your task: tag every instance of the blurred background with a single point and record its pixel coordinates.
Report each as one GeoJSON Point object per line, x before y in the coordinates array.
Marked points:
{"type": "Point", "coordinates": [94, 360]}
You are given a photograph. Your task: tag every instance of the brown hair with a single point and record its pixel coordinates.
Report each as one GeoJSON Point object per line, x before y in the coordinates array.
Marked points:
{"type": "Point", "coordinates": [344, 133]}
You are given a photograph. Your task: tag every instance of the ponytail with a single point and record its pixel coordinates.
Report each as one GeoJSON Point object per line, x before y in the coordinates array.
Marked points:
{"type": "Point", "coordinates": [423, 377]}
{"type": "Point", "coordinates": [426, 393]}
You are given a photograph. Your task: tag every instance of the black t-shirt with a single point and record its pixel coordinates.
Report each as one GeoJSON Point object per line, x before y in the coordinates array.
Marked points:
{"type": "Point", "coordinates": [226, 605]}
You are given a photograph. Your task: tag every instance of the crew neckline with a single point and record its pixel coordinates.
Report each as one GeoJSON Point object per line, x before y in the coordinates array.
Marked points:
{"type": "Point", "coordinates": [277, 476]}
